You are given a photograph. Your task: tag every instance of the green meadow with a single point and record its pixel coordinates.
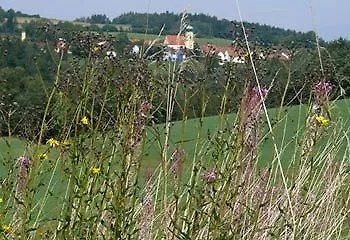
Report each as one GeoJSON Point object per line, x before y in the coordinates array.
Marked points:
{"type": "Point", "coordinates": [288, 126]}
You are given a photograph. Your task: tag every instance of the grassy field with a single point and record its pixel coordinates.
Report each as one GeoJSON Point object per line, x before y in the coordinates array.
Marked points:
{"type": "Point", "coordinates": [187, 133]}
{"type": "Point", "coordinates": [198, 137]}
{"type": "Point", "coordinates": [290, 128]}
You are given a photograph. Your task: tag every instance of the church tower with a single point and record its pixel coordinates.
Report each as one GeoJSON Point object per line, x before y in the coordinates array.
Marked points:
{"type": "Point", "coordinates": [189, 37]}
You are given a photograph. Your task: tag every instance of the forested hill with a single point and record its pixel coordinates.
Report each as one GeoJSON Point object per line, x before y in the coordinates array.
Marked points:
{"type": "Point", "coordinates": [210, 26]}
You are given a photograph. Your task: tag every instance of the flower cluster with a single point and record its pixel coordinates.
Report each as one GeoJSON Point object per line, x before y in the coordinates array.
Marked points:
{"type": "Point", "coordinates": [144, 108]}
{"type": "Point", "coordinates": [321, 92]}
{"type": "Point", "coordinates": [6, 229]}
{"type": "Point", "coordinates": [55, 143]}
{"type": "Point", "coordinates": [95, 170]}
{"type": "Point", "coordinates": [323, 88]}
{"type": "Point", "coordinates": [43, 156]}
{"type": "Point", "coordinates": [84, 120]}
{"type": "Point", "coordinates": [24, 161]}
{"type": "Point", "coordinates": [209, 175]}
{"type": "Point", "coordinates": [322, 121]}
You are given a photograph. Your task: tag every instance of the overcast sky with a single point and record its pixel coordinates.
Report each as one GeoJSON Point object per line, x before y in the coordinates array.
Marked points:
{"type": "Point", "coordinates": [331, 17]}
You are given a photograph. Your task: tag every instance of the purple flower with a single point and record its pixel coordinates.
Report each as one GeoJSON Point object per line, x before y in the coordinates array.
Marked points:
{"type": "Point", "coordinates": [24, 161]}
{"type": "Point", "coordinates": [209, 175]}
{"type": "Point", "coordinates": [321, 94]}
{"type": "Point", "coordinates": [263, 90]}
{"type": "Point", "coordinates": [254, 99]}
{"type": "Point", "coordinates": [323, 87]}
{"type": "Point", "coordinates": [145, 107]}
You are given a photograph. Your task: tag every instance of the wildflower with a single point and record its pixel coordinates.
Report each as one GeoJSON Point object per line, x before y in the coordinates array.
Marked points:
{"type": "Point", "coordinates": [53, 142]}
{"type": "Point", "coordinates": [60, 94]}
{"type": "Point", "coordinates": [6, 229]}
{"type": "Point", "coordinates": [85, 121]}
{"type": "Point", "coordinates": [210, 175]}
{"type": "Point", "coordinates": [109, 196]}
{"type": "Point", "coordinates": [23, 160]}
{"type": "Point", "coordinates": [95, 170]}
{"type": "Point", "coordinates": [66, 143]}
{"type": "Point", "coordinates": [1, 200]}
{"type": "Point", "coordinates": [323, 88]}
{"type": "Point", "coordinates": [144, 108]}
{"type": "Point", "coordinates": [43, 156]}
{"type": "Point", "coordinates": [322, 121]}
{"type": "Point", "coordinates": [321, 96]}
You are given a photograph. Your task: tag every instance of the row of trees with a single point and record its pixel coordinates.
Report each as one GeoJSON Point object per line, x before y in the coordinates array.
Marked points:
{"type": "Point", "coordinates": [204, 26]}
{"type": "Point", "coordinates": [210, 26]}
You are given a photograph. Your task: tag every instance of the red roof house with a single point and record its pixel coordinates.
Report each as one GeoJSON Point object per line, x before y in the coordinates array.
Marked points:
{"type": "Point", "coordinates": [175, 41]}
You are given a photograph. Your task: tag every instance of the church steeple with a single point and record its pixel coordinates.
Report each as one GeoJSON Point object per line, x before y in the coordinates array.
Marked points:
{"type": "Point", "coordinates": [189, 37]}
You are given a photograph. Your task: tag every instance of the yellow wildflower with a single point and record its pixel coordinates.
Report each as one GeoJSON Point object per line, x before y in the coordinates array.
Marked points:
{"type": "Point", "coordinates": [53, 142]}
{"type": "Point", "coordinates": [1, 200]}
{"type": "Point", "coordinates": [85, 121]}
{"type": "Point", "coordinates": [95, 170]}
{"type": "Point", "coordinates": [6, 229]}
{"type": "Point", "coordinates": [60, 94]}
{"type": "Point", "coordinates": [96, 49]}
{"type": "Point", "coordinates": [66, 143]}
{"type": "Point", "coordinates": [109, 196]}
{"type": "Point", "coordinates": [322, 121]}
{"type": "Point", "coordinates": [43, 156]}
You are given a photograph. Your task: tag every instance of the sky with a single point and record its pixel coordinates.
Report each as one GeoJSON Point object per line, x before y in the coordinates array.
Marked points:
{"type": "Point", "coordinates": [328, 17]}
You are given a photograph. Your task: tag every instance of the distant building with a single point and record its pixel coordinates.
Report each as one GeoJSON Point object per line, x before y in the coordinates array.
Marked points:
{"type": "Point", "coordinates": [23, 36]}
{"type": "Point", "coordinates": [225, 54]}
{"type": "Point", "coordinates": [178, 45]}
{"type": "Point", "coordinates": [282, 55]}
{"type": "Point", "coordinates": [175, 41]}
{"type": "Point", "coordinates": [180, 41]}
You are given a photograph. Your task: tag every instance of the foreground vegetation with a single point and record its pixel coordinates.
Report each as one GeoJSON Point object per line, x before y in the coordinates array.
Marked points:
{"type": "Point", "coordinates": [92, 176]}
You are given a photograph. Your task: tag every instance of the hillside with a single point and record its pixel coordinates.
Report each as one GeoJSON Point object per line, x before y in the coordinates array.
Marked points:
{"type": "Point", "coordinates": [210, 26]}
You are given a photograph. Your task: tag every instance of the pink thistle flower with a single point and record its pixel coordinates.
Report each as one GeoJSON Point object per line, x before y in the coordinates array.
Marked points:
{"type": "Point", "coordinates": [321, 92]}
{"type": "Point", "coordinates": [323, 87]}
{"type": "Point", "coordinates": [24, 161]}
{"type": "Point", "coordinates": [210, 175]}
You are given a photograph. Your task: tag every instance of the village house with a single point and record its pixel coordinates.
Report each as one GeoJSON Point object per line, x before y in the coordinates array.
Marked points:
{"type": "Point", "coordinates": [178, 45]}
{"type": "Point", "coordinates": [225, 54]}
{"type": "Point", "coordinates": [281, 55]}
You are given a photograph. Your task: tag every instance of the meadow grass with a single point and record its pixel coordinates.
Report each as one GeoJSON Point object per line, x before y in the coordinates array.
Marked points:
{"type": "Point", "coordinates": [185, 135]}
